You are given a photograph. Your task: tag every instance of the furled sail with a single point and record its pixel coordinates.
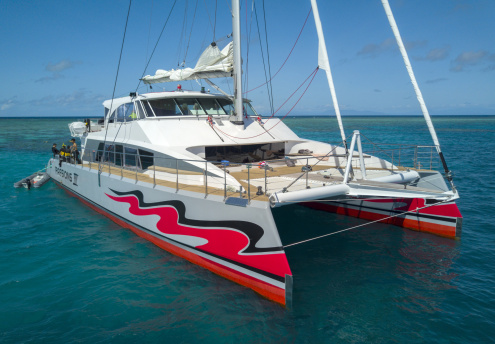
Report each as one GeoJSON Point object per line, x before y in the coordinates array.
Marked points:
{"type": "Point", "coordinates": [213, 63]}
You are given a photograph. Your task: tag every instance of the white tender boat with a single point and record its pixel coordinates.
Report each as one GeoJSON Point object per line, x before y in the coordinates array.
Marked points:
{"type": "Point", "coordinates": [202, 175]}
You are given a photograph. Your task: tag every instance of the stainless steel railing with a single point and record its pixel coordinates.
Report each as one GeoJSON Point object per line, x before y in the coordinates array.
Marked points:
{"type": "Point", "coordinates": [214, 177]}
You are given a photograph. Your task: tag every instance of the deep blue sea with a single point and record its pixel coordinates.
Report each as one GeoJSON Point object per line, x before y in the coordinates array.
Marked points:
{"type": "Point", "coordinates": [69, 274]}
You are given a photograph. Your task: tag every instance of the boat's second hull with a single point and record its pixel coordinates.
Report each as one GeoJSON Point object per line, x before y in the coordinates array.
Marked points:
{"type": "Point", "coordinates": [443, 219]}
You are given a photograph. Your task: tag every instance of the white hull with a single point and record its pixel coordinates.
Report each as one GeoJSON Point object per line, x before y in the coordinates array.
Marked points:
{"type": "Point", "coordinates": [239, 243]}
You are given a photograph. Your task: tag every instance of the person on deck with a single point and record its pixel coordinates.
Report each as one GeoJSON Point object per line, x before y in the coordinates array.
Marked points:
{"type": "Point", "coordinates": [61, 156]}
{"type": "Point", "coordinates": [74, 152]}
{"type": "Point", "coordinates": [55, 150]}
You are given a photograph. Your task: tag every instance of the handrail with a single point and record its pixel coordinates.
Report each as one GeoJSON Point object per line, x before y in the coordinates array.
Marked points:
{"type": "Point", "coordinates": [185, 173]}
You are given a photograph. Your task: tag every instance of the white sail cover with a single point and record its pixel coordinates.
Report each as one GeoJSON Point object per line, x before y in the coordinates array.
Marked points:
{"type": "Point", "coordinates": [213, 63]}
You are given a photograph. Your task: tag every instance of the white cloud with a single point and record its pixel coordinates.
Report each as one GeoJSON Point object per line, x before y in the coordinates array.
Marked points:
{"type": "Point", "coordinates": [436, 54]}
{"type": "Point", "coordinates": [373, 50]}
{"type": "Point", "coordinates": [55, 70]}
{"type": "Point", "coordinates": [60, 66]}
{"type": "Point", "coordinates": [474, 59]}
{"type": "Point", "coordinates": [434, 81]}
{"type": "Point", "coordinates": [79, 97]}
{"type": "Point", "coordinates": [8, 103]}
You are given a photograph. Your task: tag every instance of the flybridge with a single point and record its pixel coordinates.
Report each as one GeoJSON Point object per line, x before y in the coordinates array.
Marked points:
{"type": "Point", "coordinates": [178, 103]}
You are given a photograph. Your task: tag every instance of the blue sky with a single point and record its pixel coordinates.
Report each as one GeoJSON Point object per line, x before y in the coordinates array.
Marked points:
{"type": "Point", "coordinates": [59, 58]}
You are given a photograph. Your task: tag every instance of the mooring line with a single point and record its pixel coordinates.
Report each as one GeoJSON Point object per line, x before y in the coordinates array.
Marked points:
{"type": "Point", "coordinates": [368, 223]}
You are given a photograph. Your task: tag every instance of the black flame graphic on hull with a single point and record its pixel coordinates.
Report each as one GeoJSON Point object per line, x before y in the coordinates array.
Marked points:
{"type": "Point", "coordinates": [251, 230]}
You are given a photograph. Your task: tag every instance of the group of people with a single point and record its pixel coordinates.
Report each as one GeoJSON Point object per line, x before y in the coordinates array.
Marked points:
{"type": "Point", "coordinates": [67, 153]}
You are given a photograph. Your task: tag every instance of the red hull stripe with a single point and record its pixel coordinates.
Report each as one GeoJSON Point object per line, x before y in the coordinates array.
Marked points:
{"type": "Point", "coordinates": [222, 240]}
{"type": "Point", "coordinates": [418, 223]}
{"type": "Point", "coordinates": [269, 291]}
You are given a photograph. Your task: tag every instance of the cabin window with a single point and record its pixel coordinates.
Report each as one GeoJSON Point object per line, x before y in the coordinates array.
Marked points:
{"type": "Point", "coordinates": [109, 153]}
{"type": "Point", "coordinates": [99, 152]}
{"type": "Point", "coordinates": [127, 112]}
{"type": "Point", "coordinates": [190, 106]}
{"type": "Point", "coordinates": [131, 157]}
{"type": "Point", "coordinates": [227, 105]}
{"type": "Point", "coordinates": [119, 155]}
{"type": "Point", "coordinates": [246, 153]}
{"type": "Point", "coordinates": [211, 106]}
{"type": "Point", "coordinates": [164, 107]}
{"type": "Point", "coordinates": [140, 110]}
{"type": "Point", "coordinates": [248, 109]}
{"type": "Point", "coordinates": [149, 111]}
{"type": "Point", "coordinates": [146, 158]}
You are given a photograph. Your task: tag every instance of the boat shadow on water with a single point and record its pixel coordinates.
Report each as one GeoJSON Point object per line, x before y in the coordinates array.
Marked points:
{"type": "Point", "coordinates": [413, 269]}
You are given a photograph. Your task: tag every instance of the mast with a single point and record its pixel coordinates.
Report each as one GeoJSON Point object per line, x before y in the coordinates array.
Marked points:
{"type": "Point", "coordinates": [237, 73]}
{"type": "Point", "coordinates": [324, 64]}
{"type": "Point", "coordinates": [395, 29]}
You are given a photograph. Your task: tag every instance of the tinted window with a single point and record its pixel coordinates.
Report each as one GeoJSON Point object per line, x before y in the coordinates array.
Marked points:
{"type": "Point", "coordinates": [130, 157]}
{"type": "Point", "coordinates": [99, 152]}
{"type": "Point", "coordinates": [227, 105]}
{"type": "Point", "coordinates": [248, 109]}
{"type": "Point", "coordinates": [119, 156]}
{"type": "Point", "coordinates": [190, 106]}
{"type": "Point", "coordinates": [139, 110]}
{"type": "Point", "coordinates": [109, 153]}
{"type": "Point", "coordinates": [146, 158]}
{"type": "Point", "coordinates": [149, 112]}
{"type": "Point", "coordinates": [165, 107]}
{"type": "Point", "coordinates": [211, 106]}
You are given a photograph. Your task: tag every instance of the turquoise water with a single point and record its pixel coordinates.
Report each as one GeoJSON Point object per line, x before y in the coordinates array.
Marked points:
{"type": "Point", "coordinates": [69, 274]}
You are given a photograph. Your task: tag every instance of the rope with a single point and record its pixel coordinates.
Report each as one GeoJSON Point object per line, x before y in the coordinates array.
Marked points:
{"type": "Point", "coordinates": [287, 58]}
{"type": "Point", "coordinates": [367, 223]}
{"type": "Point", "coordinates": [273, 114]}
{"type": "Point", "coordinates": [267, 130]}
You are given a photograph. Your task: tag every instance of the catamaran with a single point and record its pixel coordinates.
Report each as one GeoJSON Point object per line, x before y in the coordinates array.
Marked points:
{"type": "Point", "coordinates": [202, 175]}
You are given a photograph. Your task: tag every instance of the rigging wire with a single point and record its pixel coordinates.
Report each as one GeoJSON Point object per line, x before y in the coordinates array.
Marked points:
{"type": "Point", "coordinates": [283, 64]}
{"type": "Point", "coordinates": [248, 41]}
{"type": "Point", "coordinates": [369, 223]}
{"type": "Point", "coordinates": [190, 32]}
{"type": "Point", "coordinates": [115, 83]}
{"type": "Point", "coordinates": [297, 89]}
{"type": "Point", "coordinates": [158, 40]}
{"type": "Point", "coordinates": [312, 76]}
{"type": "Point", "coordinates": [270, 99]}
{"type": "Point", "coordinates": [268, 57]}
{"type": "Point", "coordinates": [149, 32]}
{"type": "Point", "coordinates": [215, 24]}
{"type": "Point", "coordinates": [208, 13]}
{"type": "Point", "coordinates": [182, 34]}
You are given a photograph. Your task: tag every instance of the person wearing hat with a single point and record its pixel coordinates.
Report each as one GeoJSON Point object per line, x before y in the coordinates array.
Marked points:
{"type": "Point", "coordinates": [74, 152]}
{"type": "Point", "coordinates": [61, 157]}
{"type": "Point", "coordinates": [55, 150]}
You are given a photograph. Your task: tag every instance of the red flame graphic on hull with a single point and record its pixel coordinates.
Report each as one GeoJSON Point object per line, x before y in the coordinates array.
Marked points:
{"type": "Point", "coordinates": [223, 242]}
{"type": "Point", "coordinates": [411, 204]}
